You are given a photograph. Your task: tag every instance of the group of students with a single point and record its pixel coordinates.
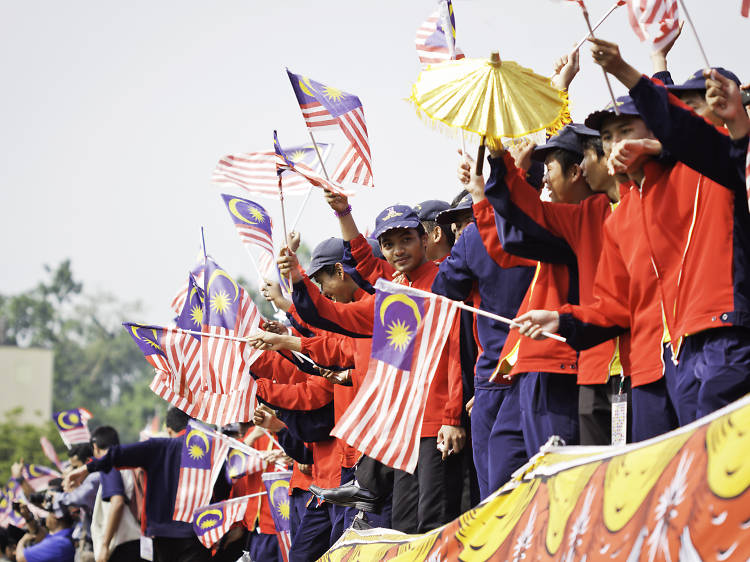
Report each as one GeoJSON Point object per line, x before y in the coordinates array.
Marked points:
{"type": "Point", "coordinates": [639, 259]}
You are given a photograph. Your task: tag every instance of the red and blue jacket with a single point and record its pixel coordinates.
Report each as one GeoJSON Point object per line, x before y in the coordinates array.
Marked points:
{"type": "Point", "coordinates": [579, 225]}
{"type": "Point", "coordinates": [469, 273]}
{"type": "Point", "coordinates": [690, 232]}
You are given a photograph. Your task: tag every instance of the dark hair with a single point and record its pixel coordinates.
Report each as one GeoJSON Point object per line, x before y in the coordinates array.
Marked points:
{"type": "Point", "coordinates": [177, 420]}
{"type": "Point", "coordinates": [566, 158]}
{"type": "Point", "coordinates": [81, 450]}
{"type": "Point", "coordinates": [329, 270]}
{"type": "Point", "coordinates": [105, 436]}
{"type": "Point", "coordinates": [429, 226]}
{"type": "Point", "coordinates": [593, 143]}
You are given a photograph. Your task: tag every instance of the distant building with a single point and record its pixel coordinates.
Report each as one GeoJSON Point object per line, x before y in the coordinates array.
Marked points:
{"type": "Point", "coordinates": [26, 381]}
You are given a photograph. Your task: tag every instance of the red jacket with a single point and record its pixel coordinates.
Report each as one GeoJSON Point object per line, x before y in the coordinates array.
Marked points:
{"type": "Point", "coordinates": [548, 290]}
{"type": "Point", "coordinates": [580, 225]}
{"type": "Point", "coordinates": [258, 509]}
{"type": "Point", "coordinates": [444, 400]}
{"type": "Point", "coordinates": [627, 295]}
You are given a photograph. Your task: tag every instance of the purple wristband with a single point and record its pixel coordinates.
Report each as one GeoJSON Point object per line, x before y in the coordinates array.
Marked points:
{"type": "Point", "coordinates": [347, 211]}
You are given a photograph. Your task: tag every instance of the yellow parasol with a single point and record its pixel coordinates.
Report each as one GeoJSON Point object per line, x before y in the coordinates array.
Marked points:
{"type": "Point", "coordinates": [492, 99]}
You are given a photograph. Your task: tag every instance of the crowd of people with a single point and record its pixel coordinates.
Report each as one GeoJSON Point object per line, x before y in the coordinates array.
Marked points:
{"type": "Point", "coordinates": [637, 257]}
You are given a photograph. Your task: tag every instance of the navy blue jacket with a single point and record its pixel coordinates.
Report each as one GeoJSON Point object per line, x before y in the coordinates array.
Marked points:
{"type": "Point", "coordinates": [160, 458]}
{"type": "Point", "coordinates": [500, 291]}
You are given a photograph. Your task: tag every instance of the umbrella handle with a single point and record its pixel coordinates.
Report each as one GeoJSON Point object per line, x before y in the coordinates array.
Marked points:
{"type": "Point", "coordinates": [480, 158]}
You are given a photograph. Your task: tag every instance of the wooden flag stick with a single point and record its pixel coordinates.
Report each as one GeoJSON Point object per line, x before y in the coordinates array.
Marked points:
{"type": "Point", "coordinates": [596, 26]}
{"type": "Point", "coordinates": [283, 223]}
{"type": "Point", "coordinates": [695, 33]}
{"type": "Point", "coordinates": [606, 76]}
{"type": "Point", "coordinates": [384, 285]}
{"type": "Point", "coordinates": [309, 190]}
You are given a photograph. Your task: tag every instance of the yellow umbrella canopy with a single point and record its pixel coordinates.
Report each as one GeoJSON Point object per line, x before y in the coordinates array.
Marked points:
{"type": "Point", "coordinates": [490, 98]}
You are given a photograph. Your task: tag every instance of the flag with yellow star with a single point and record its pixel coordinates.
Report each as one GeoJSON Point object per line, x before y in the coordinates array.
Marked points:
{"type": "Point", "coordinates": [227, 311]}
{"type": "Point", "coordinates": [384, 421]}
{"type": "Point", "coordinates": [73, 425]}
{"type": "Point", "coordinates": [277, 486]}
{"type": "Point", "coordinates": [203, 455]}
{"type": "Point", "coordinates": [211, 522]}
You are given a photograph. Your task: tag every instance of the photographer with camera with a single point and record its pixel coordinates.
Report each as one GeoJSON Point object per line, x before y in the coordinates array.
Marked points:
{"type": "Point", "coordinates": [51, 543]}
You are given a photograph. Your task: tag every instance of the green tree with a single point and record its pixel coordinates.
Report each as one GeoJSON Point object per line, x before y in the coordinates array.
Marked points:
{"type": "Point", "coordinates": [96, 365]}
{"type": "Point", "coordinates": [21, 441]}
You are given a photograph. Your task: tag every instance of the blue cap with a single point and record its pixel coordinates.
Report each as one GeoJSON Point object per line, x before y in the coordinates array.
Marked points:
{"type": "Point", "coordinates": [328, 252]}
{"type": "Point", "coordinates": [446, 218]}
{"type": "Point", "coordinates": [698, 82]}
{"type": "Point", "coordinates": [430, 209]}
{"type": "Point", "coordinates": [395, 216]}
{"type": "Point", "coordinates": [566, 139]}
{"type": "Point", "coordinates": [625, 105]}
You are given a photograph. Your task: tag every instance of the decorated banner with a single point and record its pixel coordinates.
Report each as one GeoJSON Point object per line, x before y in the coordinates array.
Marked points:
{"type": "Point", "coordinates": [680, 496]}
{"type": "Point", "coordinates": [277, 486]}
{"type": "Point", "coordinates": [72, 425]}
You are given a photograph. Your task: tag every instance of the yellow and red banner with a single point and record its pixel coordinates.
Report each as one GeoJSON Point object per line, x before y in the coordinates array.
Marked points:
{"type": "Point", "coordinates": [680, 496]}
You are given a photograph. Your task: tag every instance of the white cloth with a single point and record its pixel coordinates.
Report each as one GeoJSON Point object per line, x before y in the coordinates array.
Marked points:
{"type": "Point", "coordinates": [128, 530]}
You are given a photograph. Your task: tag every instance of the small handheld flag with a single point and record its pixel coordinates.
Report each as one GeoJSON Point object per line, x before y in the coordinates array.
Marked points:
{"type": "Point", "coordinates": [436, 37]}
{"type": "Point", "coordinates": [277, 486]}
{"type": "Point", "coordinates": [211, 522]}
{"type": "Point", "coordinates": [73, 425]}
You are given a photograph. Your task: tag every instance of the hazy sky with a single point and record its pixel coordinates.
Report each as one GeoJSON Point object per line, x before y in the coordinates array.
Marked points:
{"type": "Point", "coordinates": [113, 115]}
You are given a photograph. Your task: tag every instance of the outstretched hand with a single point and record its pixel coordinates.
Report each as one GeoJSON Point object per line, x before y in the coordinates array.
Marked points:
{"type": "Point", "coordinates": [565, 69]}
{"type": "Point", "coordinates": [534, 322]}
{"type": "Point", "coordinates": [607, 55]}
{"type": "Point", "coordinates": [273, 342]}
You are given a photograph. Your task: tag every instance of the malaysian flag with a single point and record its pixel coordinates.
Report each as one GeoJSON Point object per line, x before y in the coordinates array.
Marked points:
{"type": "Point", "coordinates": [38, 476]}
{"type": "Point", "coordinates": [227, 311]}
{"type": "Point", "coordinates": [345, 109]}
{"type": "Point", "coordinates": [72, 425]}
{"type": "Point", "coordinates": [352, 169]}
{"type": "Point", "coordinates": [277, 486]}
{"type": "Point", "coordinates": [384, 421]}
{"type": "Point", "coordinates": [655, 20]}
{"type": "Point", "coordinates": [211, 522]}
{"type": "Point", "coordinates": [203, 454]}
{"type": "Point", "coordinates": [436, 37]}
{"type": "Point", "coordinates": [176, 360]}
{"type": "Point", "coordinates": [196, 271]}
{"type": "Point", "coordinates": [240, 463]}
{"type": "Point", "coordinates": [50, 452]}
{"type": "Point", "coordinates": [254, 226]}
{"type": "Point", "coordinates": [285, 165]}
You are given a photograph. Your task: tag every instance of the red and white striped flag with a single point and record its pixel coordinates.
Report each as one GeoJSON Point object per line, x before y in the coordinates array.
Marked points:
{"type": "Point", "coordinates": [384, 421]}
{"type": "Point", "coordinates": [38, 476]}
{"type": "Point", "coordinates": [203, 454]}
{"type": "Point", "coordinates": [227, 311]}
{"type": "Point", "coordinates": [655, 20]}
{"type": "Point", "coordinates": [352, 169]}
{"type": "Point", "coordinates": [255, 172]}
{"type": "Point", "coordinates": [211, 522]}
{"type": "Point", "coordinates": [50, 453]}
{"type": "Point", "coordinates": [436, 37]}
{"type": "Point", "coordinates": [345, 109]}
{"type": "Point", "coordinates": [73, 426]}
